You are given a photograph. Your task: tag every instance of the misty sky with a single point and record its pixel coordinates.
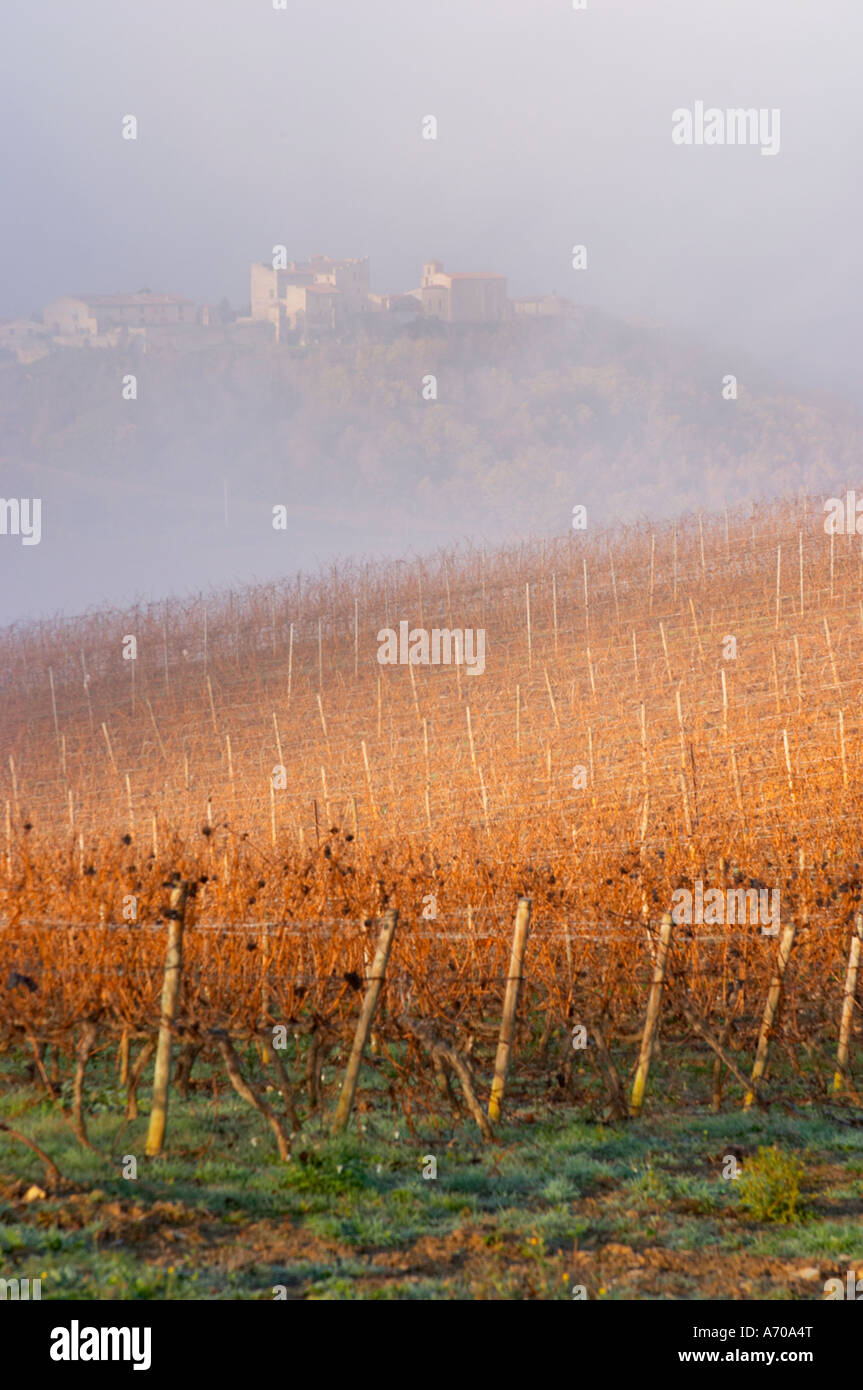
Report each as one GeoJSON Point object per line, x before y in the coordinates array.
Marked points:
{"type": "Point", "coordinates": [301, 126]}
{"type": "Point", "coordinates": [260, 126]}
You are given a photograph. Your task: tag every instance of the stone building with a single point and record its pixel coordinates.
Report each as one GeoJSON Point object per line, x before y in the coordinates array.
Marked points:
{"type": "Point", "coordinates": [95, 315]}
{"type": "Point", "coordinates": [458, 296]}
{"type": "Point", "coordinates": [24, 340]}
{"type": "Point", "coordinates": [543, 306]}
{"type": "Point", "coordinates": [314, 297]}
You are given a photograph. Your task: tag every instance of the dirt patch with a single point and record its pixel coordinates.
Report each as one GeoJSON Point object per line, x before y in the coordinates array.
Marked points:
{"type": "Point", "coordinates": [478, 1262]}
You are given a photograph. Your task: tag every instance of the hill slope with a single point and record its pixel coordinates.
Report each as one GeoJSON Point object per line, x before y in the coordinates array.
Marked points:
{"type": "Point", "coordinates": [529, 420]}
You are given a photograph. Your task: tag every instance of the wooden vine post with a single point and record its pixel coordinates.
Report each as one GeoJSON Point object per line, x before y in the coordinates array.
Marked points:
{"type": "Point", "coordinates": [264, 944]}
{"type": "Point", "coordinates": [123, 1058]}
{"type": "Point", "coordinates": [841, 1077]}
{"type": "Point", "coordinates": [370, 1004]}
{"type": "Point", "coordinates": [510, 1005]}
{"type": "Point", "coordinates": [771, 1008]}
{"type": "Point", "coordinates": [651, 1021]}
{"type": "Point", "coordinates": [170, 998]}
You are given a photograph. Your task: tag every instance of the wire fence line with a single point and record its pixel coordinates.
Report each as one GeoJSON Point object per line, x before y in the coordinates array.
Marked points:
{"type": "Point", "coordinates": [303, 930]}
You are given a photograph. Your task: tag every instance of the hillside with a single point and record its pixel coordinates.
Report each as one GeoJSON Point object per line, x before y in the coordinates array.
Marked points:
{"type": "Point", "coordinates": [529, 420]}
{"type": "Point", "coordinates": [608, 753]}
{"type": "Point", "coordinates": [656, 715]}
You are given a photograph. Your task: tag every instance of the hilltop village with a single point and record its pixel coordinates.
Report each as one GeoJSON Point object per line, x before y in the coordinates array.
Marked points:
{"type": "Point", "coordinates": [291, 302]}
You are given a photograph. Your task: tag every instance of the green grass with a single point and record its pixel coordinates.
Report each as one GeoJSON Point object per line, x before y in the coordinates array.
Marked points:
{"type": "Point", "coordinates": [636, 1209]}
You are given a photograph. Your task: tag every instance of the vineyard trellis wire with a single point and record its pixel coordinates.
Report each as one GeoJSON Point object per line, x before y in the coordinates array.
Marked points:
{"type": "Point", "coordinates": [446, 797]}
{"type": "Point", "coordinates": [229, 1001]}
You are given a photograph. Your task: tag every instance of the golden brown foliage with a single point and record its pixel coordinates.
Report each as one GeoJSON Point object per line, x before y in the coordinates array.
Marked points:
{"type": "Point", "coordinates": [446, 790]}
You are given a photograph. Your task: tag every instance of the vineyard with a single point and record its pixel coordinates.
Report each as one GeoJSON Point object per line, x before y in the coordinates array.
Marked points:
{"type": "Point", "coordinates": [237, 778]}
